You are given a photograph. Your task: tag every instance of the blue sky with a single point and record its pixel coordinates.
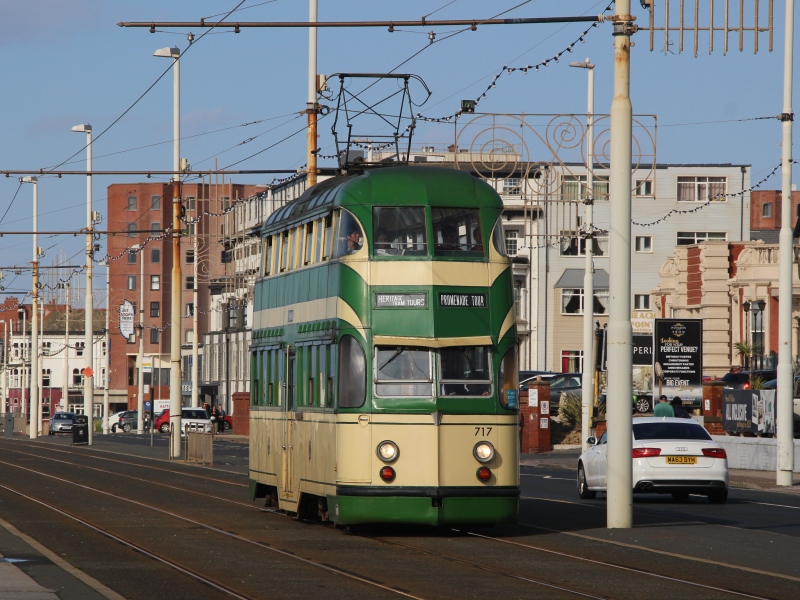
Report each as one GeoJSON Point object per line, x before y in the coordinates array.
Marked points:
{"type": "Point", "coordinates": [67, 62]}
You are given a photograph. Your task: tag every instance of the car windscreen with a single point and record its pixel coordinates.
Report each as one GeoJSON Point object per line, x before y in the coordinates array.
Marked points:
{"type": "Point", "coordinates": [669, 431]}
{"type": "Point", "coordinates": [62, 417]}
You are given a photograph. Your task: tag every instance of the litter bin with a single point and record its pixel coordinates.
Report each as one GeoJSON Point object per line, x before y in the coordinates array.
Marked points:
{"type": "Point", "coordinates": [80, 430]}
{"type": "Point", "coordinates": [8, 424]}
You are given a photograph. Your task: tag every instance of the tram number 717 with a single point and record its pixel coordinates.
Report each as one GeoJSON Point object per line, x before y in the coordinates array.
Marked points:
{"type": "Point", "coordinates": [482, 431]}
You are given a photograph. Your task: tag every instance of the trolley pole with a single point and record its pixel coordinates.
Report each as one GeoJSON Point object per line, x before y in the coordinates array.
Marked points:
{"type": "Point", "coordinates": [784, 408]}
{"type": "Point", "coordinates": [620, 359]}
{"type": "Point", "coordinates": [311, 105]}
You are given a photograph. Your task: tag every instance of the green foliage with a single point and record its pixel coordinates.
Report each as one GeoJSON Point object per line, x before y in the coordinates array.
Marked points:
{"type": "Point", "coordinates": [570, 410]}
{"type": "Point", "coordinates": [756, 382]}
{"type": "Point", "coordinates": [745, 350]}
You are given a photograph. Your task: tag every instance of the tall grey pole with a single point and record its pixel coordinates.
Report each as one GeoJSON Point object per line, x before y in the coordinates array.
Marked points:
{"type": "Point", "coordinates": [620, 358]}
{"type": "Point", "coordinates": [195, 322]}
{"type": "Point", "coordinates": [35, 409]}
{"type": "Point", "coordinates": [587, 389]}
{"type": "Point", "coordinates": [175, 321]}
{"type": "Point", "coordinates": [65, 383]}
{"type": "Point", "coordinates": [784, 410]}
{"type": "Point", "coordinates": [140, 357]}
{"type": "Point", "coordinates": [107, 361]}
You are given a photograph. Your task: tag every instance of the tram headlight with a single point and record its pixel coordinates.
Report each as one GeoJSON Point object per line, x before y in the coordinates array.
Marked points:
{"type": "Point", "coordinates": [388, 451]}
{"type": "Point", "coordinates": [483, 452]}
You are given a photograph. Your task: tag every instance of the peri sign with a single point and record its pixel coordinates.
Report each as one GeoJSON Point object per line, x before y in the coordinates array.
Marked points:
{"type": "Point", "coordinates": [126, 315]}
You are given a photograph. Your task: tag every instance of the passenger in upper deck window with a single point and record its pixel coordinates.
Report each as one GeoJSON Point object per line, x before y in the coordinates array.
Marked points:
{"type": "Point", "coordinates": [382, 245]}
{"type": "Point", "coordinates": [449, 239]}
{"type": "Point", "coordinates": [353, 240]}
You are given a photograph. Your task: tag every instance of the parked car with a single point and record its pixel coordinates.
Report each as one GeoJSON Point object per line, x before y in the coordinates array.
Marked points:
{"type": "Point", "coordinates": [189, 416]}
{"type": "Point", "coordinates": [61, 422]}
{"type": "Point", "coordinates": [564, 383]}
{"type": "Point", "coordinates": [670, 456]}
{"type": "Point", "coordinates": [740, 380]}
{"type": "Point", "coordinates": [113, 420]}
{"type": "Point", "coordinates": [129, 421]}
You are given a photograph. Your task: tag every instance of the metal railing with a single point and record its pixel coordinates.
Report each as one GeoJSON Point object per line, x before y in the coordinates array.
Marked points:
{"type": "Point", "coordinates": [197, 442]}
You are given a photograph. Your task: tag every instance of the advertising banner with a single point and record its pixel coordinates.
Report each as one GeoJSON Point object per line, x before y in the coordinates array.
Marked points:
{"type": "Point", "coordinates": [678, 356]}
{"type": "Point", "coordinates": [126, 316]}
{"type": "Point", "coordinates": [748, 411]}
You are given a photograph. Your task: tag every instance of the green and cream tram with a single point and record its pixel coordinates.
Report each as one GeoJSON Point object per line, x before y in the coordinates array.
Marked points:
{"type": "Point", "coordinates": [384, 356]}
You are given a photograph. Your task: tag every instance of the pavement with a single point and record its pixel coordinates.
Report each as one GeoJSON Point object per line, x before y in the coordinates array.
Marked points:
{"type": "Point", "coordinates": [30, 571]}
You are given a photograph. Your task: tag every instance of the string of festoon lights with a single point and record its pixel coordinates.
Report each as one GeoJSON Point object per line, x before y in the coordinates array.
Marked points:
{"type": "Point", "coordinates": [506, 69]}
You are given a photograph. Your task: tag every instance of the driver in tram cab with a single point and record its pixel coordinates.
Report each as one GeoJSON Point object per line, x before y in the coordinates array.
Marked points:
{"type": "Point", "coordinates": [449, 239]}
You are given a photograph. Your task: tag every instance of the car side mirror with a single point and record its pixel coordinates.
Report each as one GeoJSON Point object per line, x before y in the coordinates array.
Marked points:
{"type": "Point", "coordinates": [591, 441]}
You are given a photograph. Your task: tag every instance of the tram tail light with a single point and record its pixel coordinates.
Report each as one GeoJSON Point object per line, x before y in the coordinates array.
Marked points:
{"type": "Point", "coordinates": [484, 474]}
{"type": "Point", "coordinates": [388, 474]}
{"type": "Point", "coordinates": [715, 452]}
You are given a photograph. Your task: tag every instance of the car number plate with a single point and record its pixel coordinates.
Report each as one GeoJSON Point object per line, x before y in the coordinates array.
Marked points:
{"type": "Point", "coordinates": [681, 460]}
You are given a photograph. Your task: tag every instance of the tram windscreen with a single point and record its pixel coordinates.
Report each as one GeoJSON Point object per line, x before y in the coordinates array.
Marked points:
{"type": "Point", "coordinates": [399, 231]}
{"type": "Point", "coordinates": [465, 371]}
{"type": "Point", "coordinates": [402, 371]}
{"type": "Point", "coordinates": [457, 230]}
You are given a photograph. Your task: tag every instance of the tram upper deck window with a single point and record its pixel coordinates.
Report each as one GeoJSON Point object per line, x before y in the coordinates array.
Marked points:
{"type": "Point", "coordinates": [465, 371]}
{"type": "Point", "coordinates": [457, 231]}
{"type": "Point", "coordinates": [499, 237]}
{"type": "Point", "coordinates": [350, 238]}
{"type": "Point", "coordinates": [399, 231]}
{"type": "Point", "coordinates": [402, 371]}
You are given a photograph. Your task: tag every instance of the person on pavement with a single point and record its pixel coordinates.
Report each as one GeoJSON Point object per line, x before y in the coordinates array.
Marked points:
{"type": "Point", "coordinates": [663, 408]}
{"type": "Point", "coordinates": [677, 407]}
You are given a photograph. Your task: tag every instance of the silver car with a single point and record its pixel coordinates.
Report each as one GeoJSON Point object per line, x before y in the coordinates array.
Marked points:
{"type": "Point", "coordinates": [61, 422]}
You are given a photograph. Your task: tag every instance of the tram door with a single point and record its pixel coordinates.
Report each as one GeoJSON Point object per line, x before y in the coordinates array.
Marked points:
{"type": "Point", "coordinates": [287, 443]}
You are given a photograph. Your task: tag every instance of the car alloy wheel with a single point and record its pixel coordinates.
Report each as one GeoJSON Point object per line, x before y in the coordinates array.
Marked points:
{"type": "Point", "coordinates": [583, 489]}
{"type": "Point", "coordinates": [164, 428]}
{"type": "Point", "coordinates": [642, 405]}
{"type": "Point", "coordinates": [127, 428]}
{"type": "Point", "coordinates": [227, 426]}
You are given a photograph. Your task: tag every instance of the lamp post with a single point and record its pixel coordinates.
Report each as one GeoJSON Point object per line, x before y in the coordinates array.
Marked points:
{"type": "Point", "coordinates": [107, 361]}
{"type": "Point", "coordinates": [88, 391]}
{"type": "Point", "coordinates": [587, 391]}
{"type": "Point", "coordinates": [757, 308]}
{"type": "Point", "coordinates": [175, 317]}
{"type": "Point", "coordinates": [35, 409]}
{"type": "Point", "coordinates": [746, 309]}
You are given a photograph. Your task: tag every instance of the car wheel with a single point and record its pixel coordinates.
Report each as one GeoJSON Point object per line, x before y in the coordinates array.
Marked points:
{"type": "Point", "coordinates": [127, 428]}
{"type": "Point", "coordinates": [164, 428]}
{"type": "Point", "coordinates": [114, 428]}
{"type": "Point", "coordinates": [51, 433]}
{"type": "Point", "coordinates": [680, 496]}
{"type": "Point", "coordinates": [583, 489]}
{"type": "Point", "coordinates": [718, 497]}
{"type": "Point", "coordinates": [227, 425]}
{"type": "Point", "coordinates": [642, 404]}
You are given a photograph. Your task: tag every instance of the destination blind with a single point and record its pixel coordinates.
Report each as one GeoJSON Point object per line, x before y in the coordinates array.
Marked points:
{"type": "Point", "coordinates": [462, 300]}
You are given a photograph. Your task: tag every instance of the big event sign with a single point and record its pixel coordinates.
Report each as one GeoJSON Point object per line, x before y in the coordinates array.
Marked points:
{"type": "Point", "coordinates": [678, 359]}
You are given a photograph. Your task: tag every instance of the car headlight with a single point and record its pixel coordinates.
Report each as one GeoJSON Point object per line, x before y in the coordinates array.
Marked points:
{"type": "Point", "coordinates": [483, 452]}
{"type": "Point", "coordinates": [388, 451]}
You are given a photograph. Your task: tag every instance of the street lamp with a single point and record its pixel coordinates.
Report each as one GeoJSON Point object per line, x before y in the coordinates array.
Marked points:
{"type": "Point", "coordinates": [175, 317]}
{"type": "Point", "coordinates": [88, 399]}
{"type": "Point", "coordinates": [587, 391]}
{"type": "Point", "coordinates": [746, 309]}
{"type": "Point", "coordinates": [35, 408]}
{"type": "Point", "coordinates": [757, 308]}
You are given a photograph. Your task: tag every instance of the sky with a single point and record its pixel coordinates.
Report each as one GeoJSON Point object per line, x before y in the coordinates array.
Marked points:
{"type": "Point", "coordinates": [67, 62]}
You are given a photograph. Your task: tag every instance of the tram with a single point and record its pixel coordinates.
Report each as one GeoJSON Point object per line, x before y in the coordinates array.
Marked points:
{"type": "Point", "coordinates": [384, 368]}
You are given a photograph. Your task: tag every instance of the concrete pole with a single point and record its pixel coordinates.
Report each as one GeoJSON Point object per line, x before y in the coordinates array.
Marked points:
{"type": "Point", "coordinates": [311, 105]}
{"type": "Point", "coordinates": [195, 322]}
{"type": "Point", "coordinates": [620, 358]}
{"type": "Point", "coordinates": [107, 361]}
{"type": "Point", "coordinates": [140, 357]}
{"type": "Point", "coordinates": [65, 383]}
{"type": "Point", "coordinates": [35, 410]}
{"type": "Point", "coordinates": [784, 411]}
{"type": "Point", "coordinates": [587, 389]}
{"type": "Point", "coordinates": [175, 320]}
{"type": "Point", "coordinates": [40, 351]}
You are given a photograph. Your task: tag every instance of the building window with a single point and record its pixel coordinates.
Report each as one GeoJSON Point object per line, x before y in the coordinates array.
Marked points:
{"type": "Point", "coordinates": [574, 188]}
{"type": "Point", "coordinates": [701, 189]}
{"type": "Point", "coordinates": [512, 237]}
{"type": "Point", "coordinates": [155, 282]}
{"type": "Point", "coordinates": [79, 347]}
{"type": "Point", "coordinates": [155, 309]}
{"type": "Point", "coordinates": [154, 335]}
{"type": "Point", "coordinates": [512, 186]}
{"type": "Point", "coordinates": [45, 377]}
{"type": "Point", "coordinates": [572, 361]}
{"type": "Point", "coordinates": [155, 255]}
{"type": "Point", "coordinates": [232, 315]}
{"type": "Point", "coordinates": [766, 209]}
{"type": "Point", "coordinates": [188, 203]}
{"type": "Point", "coordinates": [685, 238]}
{"type": "Point", "coordinates": [189, 336]}
{"type": "Point", "coordinates": [189, 257]}
{"type": "Point", "coordinates": [155, 202]}
{"type": "Point", "coordinates": [131, 229]}
{"type": "Point", "coordinates": [574, 244]}
{"type": "Point", "coordinates": [641, 301]}
{"type": "Point", "coordinates": [132, 282]}
{"type": "Point", "coordinates": [572, 302]}
{"type": "Point", "coordinates": [76, 377]}
{"type": "Point", "coordinates": [190, 309]}
{"type": "Point", "coordinates": [190, 283]}
{"type": "Point", "coordinates": [155, 227]}
{"type": "Point", "coordinates": [131, 202]}
{"type": "Point", "coordinates": [644, 243]}
{"type": "Point", "coordinates": [132, 257]}
{"type": "Point", "coordinates": [644, 187]}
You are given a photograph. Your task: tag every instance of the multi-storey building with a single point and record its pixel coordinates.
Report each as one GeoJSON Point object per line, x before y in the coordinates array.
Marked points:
{"type": "Point", "coordinates": [140, 268]}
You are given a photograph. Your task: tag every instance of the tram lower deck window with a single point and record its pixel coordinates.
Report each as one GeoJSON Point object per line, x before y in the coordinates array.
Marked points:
{"type": "Point", "coordinates": [402, 371]}
{"type": "Point", "coordinates": [465, 371]}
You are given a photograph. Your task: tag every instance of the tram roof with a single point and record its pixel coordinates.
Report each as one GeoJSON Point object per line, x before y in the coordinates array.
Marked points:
{"type": "Point", "coordinates": [388, 186]}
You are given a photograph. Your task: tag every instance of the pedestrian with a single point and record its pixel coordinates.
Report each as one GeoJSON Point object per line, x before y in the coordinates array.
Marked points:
{"type": "Point", "coordinates": [677, 407]}
{"type": "Point", "coordinates": [207, 408]}
{"type": "Point", "coordinates": [215, 418]}
{"type": "Point", "coordinates": [663, 408]}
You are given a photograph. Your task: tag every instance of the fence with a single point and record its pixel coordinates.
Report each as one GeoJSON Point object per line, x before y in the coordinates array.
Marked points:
{"type": "Point", "coordinates": [198, 444]}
